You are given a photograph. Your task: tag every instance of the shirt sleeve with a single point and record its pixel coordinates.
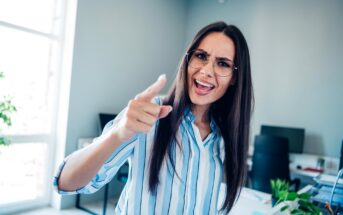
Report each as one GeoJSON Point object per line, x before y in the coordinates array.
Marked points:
{"type": "Point", "coordinates": [108, 169]}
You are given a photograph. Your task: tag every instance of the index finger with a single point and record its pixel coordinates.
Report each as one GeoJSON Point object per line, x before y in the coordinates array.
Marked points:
{"type": "Point", "coordinates": [153, 89]}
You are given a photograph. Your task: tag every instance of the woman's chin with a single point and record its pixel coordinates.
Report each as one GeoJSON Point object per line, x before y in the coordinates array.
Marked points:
{"type": "Point", "coordinates": [200, 101]}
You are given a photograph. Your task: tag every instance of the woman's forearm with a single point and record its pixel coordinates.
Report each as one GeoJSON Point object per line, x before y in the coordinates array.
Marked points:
{"type": "Point", "coordinates": [83, 165]}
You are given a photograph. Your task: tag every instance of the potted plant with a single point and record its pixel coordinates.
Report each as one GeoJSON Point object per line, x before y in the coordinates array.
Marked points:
{"type": "Point", "coordinates": [6, 108]}
{"type": "Point", "coordinates": [293, 202]}
{"type": "Point", "coordinates": [277, 187]}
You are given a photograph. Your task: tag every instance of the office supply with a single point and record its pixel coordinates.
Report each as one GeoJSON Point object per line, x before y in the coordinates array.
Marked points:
{"type": "Point", "coordinates": [328, 191]}
{"type": "Point", "coordinates": [308, 161]}
{"type": "Point", "coordinates": [334, 188]}
{"type": "Point", "coordinates": [328, 180]}
{"type": "Point", "coordinates": [311, 169]}
{"type": "Point", "coordinates": [295, 136]}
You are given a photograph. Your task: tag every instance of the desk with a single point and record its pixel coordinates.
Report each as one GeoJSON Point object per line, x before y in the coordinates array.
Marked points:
{"type": "Point", "coordinates": [306, 160]}
{"type": "Point", "coordinates": [253, 202]}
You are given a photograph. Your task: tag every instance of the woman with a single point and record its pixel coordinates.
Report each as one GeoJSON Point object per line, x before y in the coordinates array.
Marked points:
{"type": "Point", "coordinates": [178, 147]}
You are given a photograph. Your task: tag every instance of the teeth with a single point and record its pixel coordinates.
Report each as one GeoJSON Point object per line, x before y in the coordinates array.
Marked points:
{"type": "Point", "coordinates": [204, 84]}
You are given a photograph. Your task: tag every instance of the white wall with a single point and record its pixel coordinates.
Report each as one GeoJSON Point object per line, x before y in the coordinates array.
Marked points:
{"type": "Point", "coordinates": [121, 47]}
{"type": "Point", "coordinates": [296, 51]}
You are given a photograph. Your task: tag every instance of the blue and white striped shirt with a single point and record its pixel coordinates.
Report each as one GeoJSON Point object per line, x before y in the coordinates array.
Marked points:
{"type": "Point", "coordinates": [193, 190]}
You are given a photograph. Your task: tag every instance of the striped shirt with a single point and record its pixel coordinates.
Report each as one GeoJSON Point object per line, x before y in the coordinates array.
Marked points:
{"type": "Point", "coordinates": [193, 188]}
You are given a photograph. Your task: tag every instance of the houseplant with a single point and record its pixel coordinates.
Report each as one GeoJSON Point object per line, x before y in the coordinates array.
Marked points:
{"type": "Point", "coordinates": [302, 202]}
{"type": "Point", "coordinates": [277, 187]}
{"type": "Point", "coordinates": [6, 109]}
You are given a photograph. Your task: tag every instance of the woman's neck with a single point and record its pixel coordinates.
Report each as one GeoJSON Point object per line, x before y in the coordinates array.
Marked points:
{"type": "Point", "coordinates": [201, 114]}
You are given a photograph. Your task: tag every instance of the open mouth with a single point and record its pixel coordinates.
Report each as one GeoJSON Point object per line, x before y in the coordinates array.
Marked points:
{"type": "Point", "coordinates": [202, 87]}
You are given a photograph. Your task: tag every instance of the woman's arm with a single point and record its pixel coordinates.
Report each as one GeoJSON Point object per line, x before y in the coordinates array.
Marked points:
{"type": "Point", "coordinates": [83, 165]}
{"type": "Point", "coordinates": [139, 116]}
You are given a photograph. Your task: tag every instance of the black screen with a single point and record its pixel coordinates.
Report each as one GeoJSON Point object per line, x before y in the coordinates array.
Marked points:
{"type": "Point", "coordinates": [295, 136]}
{"type": "Point", "coordinates": [104, 119]}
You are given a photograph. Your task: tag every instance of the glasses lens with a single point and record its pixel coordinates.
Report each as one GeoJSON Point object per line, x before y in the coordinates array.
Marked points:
{"type": "Point", "coordinates": [223, 68]}
{"type": "Point", "coordinates": [197, 59]}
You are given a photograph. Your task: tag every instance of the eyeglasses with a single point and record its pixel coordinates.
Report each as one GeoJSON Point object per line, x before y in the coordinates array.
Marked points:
{"type": "Point", "coordinates": [222, 67]}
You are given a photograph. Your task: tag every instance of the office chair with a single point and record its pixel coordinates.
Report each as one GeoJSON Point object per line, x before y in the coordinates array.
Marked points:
{"type": "Point", "coordinates": [270, 161]}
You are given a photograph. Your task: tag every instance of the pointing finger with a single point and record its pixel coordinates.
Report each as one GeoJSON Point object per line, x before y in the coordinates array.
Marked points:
{"type": "Point", "coordinates": [153, 89]}
{"type": "Point", "coordinates": [165, 110]}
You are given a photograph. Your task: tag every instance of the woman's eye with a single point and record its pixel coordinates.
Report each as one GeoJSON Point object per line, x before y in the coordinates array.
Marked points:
{"type": "Point", "coordinates": [224, 64]}
{"type": "Point", "coordinates": [201, 56]}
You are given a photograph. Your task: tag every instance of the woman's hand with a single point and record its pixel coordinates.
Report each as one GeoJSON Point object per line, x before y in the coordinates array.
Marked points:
{"type": "Point", "coordinates": [141, 114]}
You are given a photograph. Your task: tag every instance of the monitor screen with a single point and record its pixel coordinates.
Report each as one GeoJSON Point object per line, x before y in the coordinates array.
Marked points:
{"type": "Point", "coordinates": [104, 119]}
{"type": "Point", "coordinates": [295, 136]}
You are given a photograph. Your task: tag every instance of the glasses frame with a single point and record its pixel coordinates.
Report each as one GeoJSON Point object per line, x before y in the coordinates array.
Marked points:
{"type": "Point", "coordinates": [188, 55]}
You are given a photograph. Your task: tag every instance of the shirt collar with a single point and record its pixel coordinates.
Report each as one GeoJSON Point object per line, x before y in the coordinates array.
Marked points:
{"type": "Point", "coordinates": [190, 117]}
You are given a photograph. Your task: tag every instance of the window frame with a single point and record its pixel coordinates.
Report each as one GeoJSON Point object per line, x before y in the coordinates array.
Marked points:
{"type": "Point", "coordinates": [55, 140]}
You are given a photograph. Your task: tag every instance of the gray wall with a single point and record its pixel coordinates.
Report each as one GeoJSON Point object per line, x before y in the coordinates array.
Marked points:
{"type": "Point", "coordinates": [296, 51]}
{"type": "Point", "coordinates": [121, 47]}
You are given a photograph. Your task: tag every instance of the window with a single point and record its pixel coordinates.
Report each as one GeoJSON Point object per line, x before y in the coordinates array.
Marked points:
{"type": "Point", "coordinates": [32, 45]}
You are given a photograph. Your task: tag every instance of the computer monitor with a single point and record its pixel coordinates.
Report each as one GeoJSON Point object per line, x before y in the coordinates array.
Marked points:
{"type": "Point", "coordinates": [295, 136]}
{"type": "Point", "coordinates": [104, 118]}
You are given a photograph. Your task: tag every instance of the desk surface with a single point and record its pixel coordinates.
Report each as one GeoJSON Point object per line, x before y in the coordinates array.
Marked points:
{"type": "Point", "coordinates": [253, 202]}
{"type": "Point", "coordinates": [249, 202]}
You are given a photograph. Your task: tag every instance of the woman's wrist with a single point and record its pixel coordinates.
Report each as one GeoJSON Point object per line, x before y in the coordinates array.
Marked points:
{"type": "Point", "coordinates": [114, 139]}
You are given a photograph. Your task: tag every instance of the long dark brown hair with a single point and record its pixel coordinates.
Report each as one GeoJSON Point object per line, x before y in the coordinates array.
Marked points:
{"type": "Point", "coordinates": [232, 113]}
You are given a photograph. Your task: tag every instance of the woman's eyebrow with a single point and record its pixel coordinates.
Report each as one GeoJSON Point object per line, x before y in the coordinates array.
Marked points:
{"type": "Point", "coordinates": [218, 58]}
{"type": "Point", "coordinates": [202, 50]}
{"type": "Point", "coordinates": [224, 59]}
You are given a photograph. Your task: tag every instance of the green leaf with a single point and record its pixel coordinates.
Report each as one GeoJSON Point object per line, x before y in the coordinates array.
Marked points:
{"type": "Point", "coordinates": [284, 208]}
{"type": "Point", "coordinates": [278, 202]}
{"type": "Point", "coordinates": [278, 185]}
{"type": "Point", "coordinates": [283, 195]}
{"type": "Point", "coordinates": [296, 212]}
{"type": "Point", "coordinates": [308, 207]}
{"type": "Point", "coordinates": [292, 196]}
{"type": "Point", "coordinates": [304, 209]}
{"type": "Point", "coordinates": [280, 190]}
{"type": "Point", "coordinates": [304, 196]}
{"type": "Point", "coordinates": [6, 108]}
{"type": "Point", "coordinates": [314, 208]}
{"type": "Point", "coordinates": [4, 141]}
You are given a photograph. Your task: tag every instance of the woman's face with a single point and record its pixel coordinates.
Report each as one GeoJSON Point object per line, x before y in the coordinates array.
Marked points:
{"type": "Point", "coordinates": [204, 86]}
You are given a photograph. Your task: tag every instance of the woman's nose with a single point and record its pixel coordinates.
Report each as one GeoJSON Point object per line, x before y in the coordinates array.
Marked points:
{"type": "Point", "coordinates": [207, 69]}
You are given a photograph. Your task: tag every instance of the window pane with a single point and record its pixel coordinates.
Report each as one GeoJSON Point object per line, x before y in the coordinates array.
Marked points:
{"type": "Point", "coordinates": [25, 60]}
{"type": "Point", "coordinates": [33, 14]}
{"type": "Point", "coordinates": [22, 172]}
